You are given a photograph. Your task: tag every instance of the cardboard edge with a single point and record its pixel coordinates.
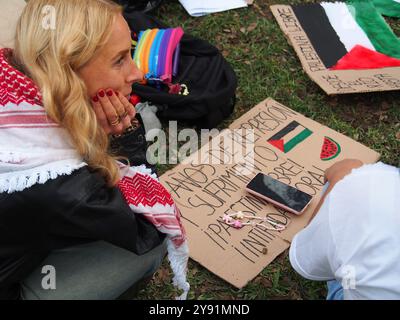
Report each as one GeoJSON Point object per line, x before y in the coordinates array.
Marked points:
{"type": "Point", "coordinates": [315, 76]}
{"type": "Point", "coordinates": [241, 283]}
{"type": "Point", "coordinates": [274, 9]}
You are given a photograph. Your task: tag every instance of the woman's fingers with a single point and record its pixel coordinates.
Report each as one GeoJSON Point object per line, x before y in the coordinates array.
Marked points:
{"type": "Point", "coordinates": [119, 108]}
{"type": "Point", "coordinates": [113, 111]}
{"type": "Point", "coordinates": [101, 116]}
{"type": "Point", "coordinates": [110, 111]}
{"type": "Point", "coordinates": [127, 105]}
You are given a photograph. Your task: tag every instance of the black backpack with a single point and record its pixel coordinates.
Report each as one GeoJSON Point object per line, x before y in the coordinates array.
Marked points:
{"type": "Point", "coordinates": [210, 80]}
{"type": "Point", "coordinates": [139, 5]}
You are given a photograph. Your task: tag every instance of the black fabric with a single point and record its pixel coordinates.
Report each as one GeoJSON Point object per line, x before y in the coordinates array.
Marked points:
{"type": "Point", "coordinates": [63, 212]}
{"type": "Point", "coordinates": [132, 145]}
{"type": "Point", "coordinates": [323, 37]}
{"type": "Point", "coordinates": [139, 5]}
{"type": "Point", "coordinates": [210, 79]}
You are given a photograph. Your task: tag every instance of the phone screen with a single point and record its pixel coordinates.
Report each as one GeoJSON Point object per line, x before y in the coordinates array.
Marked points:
{"type": "Point", "coordinates": [279, 192]}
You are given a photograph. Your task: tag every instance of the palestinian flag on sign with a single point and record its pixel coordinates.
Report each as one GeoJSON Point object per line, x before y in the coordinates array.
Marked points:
{"type": "Point", "coordinates": [352, 35]}
{"type": "Point", "coordinates": [290, 136]}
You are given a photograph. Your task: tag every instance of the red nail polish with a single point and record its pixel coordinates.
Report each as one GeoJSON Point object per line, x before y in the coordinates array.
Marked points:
{"type": "Point", "coordinates": [95, 99]}
{"type": "Point", "coordinates": [109, 93]}
{"type": "Point", "coordinates": [101, 93]}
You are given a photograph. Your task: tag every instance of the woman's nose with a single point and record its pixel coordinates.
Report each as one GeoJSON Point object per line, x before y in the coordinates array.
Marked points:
{"type": "Point", "coordinates": [135, 74]}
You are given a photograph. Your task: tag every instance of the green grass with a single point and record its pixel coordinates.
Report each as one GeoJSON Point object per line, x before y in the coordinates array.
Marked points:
{"type": "Point", "coordinates": [267, 66]}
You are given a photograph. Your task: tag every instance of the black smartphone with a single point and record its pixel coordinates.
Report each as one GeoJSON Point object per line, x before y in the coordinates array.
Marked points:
{"type": "Point", "coordinates": [279, 194]}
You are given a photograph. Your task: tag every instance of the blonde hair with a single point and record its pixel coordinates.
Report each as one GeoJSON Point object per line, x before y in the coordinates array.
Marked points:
{"type": "Point", "coordinates": [52, 57]}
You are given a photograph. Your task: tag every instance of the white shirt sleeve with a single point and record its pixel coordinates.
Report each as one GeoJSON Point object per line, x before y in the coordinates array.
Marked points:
{"type": "Point", "coordinates": [311, 248]}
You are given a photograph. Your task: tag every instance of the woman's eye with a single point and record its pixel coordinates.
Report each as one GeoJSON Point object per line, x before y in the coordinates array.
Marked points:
{"type": "Point", "coordinates": [120, 60]}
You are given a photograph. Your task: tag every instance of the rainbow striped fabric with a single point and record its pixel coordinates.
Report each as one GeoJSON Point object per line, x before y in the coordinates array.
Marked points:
{"type": "Point", "coordinates": [157, 53]}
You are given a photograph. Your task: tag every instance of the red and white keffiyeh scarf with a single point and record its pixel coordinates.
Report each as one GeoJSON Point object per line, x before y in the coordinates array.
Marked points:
{"type": "Point", "coordinates": [146, 195]}
{"type": "Point", "coordinates": [35, 149]}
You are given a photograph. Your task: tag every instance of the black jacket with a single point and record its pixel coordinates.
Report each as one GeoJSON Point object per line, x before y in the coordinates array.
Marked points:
{"type": "Point", "coordinates": [69, 210]}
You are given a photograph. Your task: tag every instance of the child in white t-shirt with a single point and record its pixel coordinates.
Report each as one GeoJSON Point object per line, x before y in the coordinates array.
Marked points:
{"type": "Point", "coordinates": [353, 241]}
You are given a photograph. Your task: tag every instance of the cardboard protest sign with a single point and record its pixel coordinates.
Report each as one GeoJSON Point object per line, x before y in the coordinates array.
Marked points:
{"type": "Point", "coordinates": [283, 144]}
{"type": "Point", "coordinates": [339, 48]}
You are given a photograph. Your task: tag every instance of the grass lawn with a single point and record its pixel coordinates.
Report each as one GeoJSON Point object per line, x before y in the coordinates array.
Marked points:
{"type": "Point", "coordinates": [267, 66]}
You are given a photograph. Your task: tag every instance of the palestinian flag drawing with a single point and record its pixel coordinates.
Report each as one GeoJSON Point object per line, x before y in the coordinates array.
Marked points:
{"type": "Point", "coordinates": [352, 35]}
{"type": "Point", "coordinates": [290, 136]}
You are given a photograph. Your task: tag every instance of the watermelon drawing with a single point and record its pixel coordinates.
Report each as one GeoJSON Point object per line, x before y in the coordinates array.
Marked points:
{"type": "Point", "coordinates": [330, 149]}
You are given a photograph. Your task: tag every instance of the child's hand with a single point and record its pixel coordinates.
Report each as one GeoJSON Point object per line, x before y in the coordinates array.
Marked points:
{"type": "Point", "coordinates": [335, 173]}
{"type": "Point", "coordinates": [113, 111]}
{"type": "Point", "coordinates": [341, 169]}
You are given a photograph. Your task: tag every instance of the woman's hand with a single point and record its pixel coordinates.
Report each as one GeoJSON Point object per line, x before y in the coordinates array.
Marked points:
{"type": "Point", "coordinates": [113, 111]}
